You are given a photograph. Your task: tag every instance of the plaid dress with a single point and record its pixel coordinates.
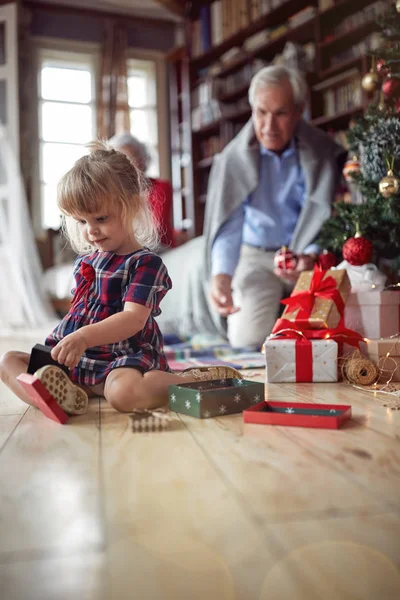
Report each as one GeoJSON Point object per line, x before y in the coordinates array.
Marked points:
{"type": "Point", "coordinates": [104, 281]}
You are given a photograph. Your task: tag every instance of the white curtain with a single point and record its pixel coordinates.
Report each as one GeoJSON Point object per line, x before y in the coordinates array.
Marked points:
{"type": "Point", "coordinates": [23, 300]}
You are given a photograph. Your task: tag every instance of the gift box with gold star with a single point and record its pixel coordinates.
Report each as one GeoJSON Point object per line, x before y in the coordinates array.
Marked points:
{"type": "Point", "coordinates": [205, 399]}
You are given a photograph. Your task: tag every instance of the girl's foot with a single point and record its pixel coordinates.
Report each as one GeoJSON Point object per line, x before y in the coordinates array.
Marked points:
{"type": "Point", "coordinates": [72, 399]}
{"type": "Point", "coordinates": [209, 373]}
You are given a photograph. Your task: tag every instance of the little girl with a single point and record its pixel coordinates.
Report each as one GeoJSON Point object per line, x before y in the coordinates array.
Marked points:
{"type": "Point", "coordinates": [109, 340]}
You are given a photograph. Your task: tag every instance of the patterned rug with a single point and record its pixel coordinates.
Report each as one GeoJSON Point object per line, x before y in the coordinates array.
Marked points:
{"type": "Point", "coordinates": [203, 351]}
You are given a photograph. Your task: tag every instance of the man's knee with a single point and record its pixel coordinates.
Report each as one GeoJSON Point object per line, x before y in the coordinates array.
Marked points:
{"type": "Point", "coordinates": [246, 338]}
{"type": "Point", "coordinates": [247, 332]}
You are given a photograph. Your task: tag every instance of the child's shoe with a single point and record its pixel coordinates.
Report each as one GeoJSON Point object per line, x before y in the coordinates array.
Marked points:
{"type": "Point", "coordinates": [52, 392]}
{"type": "Point", "coordinates": [72, 399]}
{"type": "Point", "coordinates": [209, 373]}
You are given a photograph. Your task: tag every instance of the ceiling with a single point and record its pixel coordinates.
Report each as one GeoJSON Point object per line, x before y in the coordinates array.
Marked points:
{"type": "Point", "coordinates": [151, 9]}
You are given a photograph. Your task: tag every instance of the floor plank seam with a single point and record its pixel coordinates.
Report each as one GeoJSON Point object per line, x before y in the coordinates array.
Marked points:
{"type": "Point", "coordinates": [248, 513]}
{"type": "Point", "coordinates": [12, 431]}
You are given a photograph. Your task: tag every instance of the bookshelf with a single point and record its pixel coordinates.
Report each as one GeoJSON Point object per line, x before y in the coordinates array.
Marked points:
{"type": "Point", "coordinates": [227, 41]}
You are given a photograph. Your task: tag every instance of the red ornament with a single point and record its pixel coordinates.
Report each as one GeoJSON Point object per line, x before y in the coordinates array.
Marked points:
{"type": "Point", "coordinates": [357, 251]}
{"type": "Point", "coordinates": [390, 85]}
{"type": "Point", "coordinates": [327, 260]}
{"type": "Point", "coordinates": [285, 259]}
{"type": "Point", "coordinates": [383, 68]}
{"type": "Point", "coordinates": [352, 166]}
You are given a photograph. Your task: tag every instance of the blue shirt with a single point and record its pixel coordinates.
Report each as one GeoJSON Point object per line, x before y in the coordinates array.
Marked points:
{"type": "Point", "coordinates": [268, 217]}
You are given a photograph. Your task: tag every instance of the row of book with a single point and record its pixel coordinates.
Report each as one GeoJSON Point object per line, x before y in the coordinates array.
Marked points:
{"type": "Point", "coordinates": [240, 78]}
{"type": "Point", "coordinates": [214, 111]}
{"type": "Point", "coordinates": [369, 44]}
{"type": "Point", "coordinates": [205, 97]}
{"type": "Point", "coordinates": [221, 19]}
{"type": "Point", "coordinates": [343, 97]}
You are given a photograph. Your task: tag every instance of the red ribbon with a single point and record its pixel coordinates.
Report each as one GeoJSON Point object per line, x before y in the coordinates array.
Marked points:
{"type": "Point", "coordinates": [88, 275]}
{"type": "Point", "coordinates": [303, 354]}
{"type": "Point", "coordinates": [320, 287]}
{"type": "Point", "coordinates": [304, 361]}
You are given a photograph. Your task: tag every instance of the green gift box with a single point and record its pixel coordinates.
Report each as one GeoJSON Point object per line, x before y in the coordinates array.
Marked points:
{"type": "Point", "coordinates": [204, 399]}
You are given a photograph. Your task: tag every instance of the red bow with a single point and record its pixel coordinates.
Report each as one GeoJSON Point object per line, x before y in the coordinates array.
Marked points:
{"type": "Point", "coordinates": [319, 287]}
{"type": "Point", "coordinates": [88, 275]}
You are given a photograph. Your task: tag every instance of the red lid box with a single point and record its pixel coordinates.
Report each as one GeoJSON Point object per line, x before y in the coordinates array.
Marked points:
{"type": "Point", "coordinates": [298, 414]}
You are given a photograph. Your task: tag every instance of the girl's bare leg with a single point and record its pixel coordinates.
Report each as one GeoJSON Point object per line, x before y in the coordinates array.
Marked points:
{"type": "Point", "coordinates": [12, 364]}
{"type": "Point", "coordinates": [127, 389]}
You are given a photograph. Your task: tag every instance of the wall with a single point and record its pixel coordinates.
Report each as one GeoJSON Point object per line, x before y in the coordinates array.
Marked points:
{"type": "Point", "coordinates": [73, 25]}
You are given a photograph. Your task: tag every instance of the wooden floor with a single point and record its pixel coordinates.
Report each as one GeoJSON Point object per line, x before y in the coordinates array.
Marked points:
{"type": "Point", "coordinates": [209, 510]}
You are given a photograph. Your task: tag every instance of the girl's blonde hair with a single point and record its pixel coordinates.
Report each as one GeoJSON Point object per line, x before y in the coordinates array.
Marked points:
{"type": "Point", "coordinates": [102, 179]}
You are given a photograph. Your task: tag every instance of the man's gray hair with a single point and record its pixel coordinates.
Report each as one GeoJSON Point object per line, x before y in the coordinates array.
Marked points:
{"type": "Point", "coordinates": [274, 75]}
{"type": "Point", "coordinates": [127, 139]}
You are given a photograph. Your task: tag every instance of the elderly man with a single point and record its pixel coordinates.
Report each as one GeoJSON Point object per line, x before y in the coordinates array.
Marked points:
{"type": "Point", "coordinates": [272, 185]}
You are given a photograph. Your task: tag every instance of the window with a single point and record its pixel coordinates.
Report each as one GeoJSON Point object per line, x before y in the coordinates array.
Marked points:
{"type": "Point", "coordinates": [142, 97]}
{"type": "Point", "coordinates": [66, 120]}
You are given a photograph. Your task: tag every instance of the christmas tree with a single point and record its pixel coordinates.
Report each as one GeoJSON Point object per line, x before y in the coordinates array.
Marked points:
{"type": "Point", "coordinates": [370, 228]}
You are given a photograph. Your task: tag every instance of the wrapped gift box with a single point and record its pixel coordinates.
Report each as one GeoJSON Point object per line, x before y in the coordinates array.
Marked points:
{"type": "Point", "coordinates": [300, 360]}
{"type": "Point", "coordinates": [324, 312]}
{"type": "Point", "coordinates": [204, 399]}
{"type": "Point", "coordinates": [298, 414]}
{"type": "Point", "coordinates": [379, 349]}
{"type": "Point", "coordinates": [373, 314]}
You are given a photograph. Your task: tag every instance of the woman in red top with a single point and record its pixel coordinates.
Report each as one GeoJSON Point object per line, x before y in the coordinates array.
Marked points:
{"type": "Point", "coordinates": [160, 193]}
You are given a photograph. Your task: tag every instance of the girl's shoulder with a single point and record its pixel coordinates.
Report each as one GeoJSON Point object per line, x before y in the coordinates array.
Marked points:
{"type": "Point", "coordinates": [144, 256]}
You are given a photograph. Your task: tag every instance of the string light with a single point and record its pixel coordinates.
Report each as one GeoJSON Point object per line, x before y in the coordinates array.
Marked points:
{"type": "Point", "coordinates": [386, 387]}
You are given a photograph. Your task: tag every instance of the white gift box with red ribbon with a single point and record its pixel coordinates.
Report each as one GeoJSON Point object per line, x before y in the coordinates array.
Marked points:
{"type": "Point", "coordinates": [301, 360]}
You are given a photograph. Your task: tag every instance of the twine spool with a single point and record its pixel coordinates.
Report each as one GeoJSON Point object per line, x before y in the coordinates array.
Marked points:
{"type": "Point", "coordinates": [358, 369]}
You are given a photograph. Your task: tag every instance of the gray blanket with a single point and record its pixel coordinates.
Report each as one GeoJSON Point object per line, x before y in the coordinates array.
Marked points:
{"type": "Point", "coordinates": [186, 309]}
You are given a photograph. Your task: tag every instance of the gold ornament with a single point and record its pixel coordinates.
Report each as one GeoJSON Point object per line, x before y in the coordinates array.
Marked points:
{"type": "Point", "coordinates": [389, 185]}
{"type": "Point", "coordinates": [398, 6]}
{"type": "Point", "coordinates": [370, 81]}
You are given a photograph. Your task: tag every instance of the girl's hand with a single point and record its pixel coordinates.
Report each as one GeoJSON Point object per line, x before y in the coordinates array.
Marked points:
{"type": "Point", "coordinates": [69, 350]}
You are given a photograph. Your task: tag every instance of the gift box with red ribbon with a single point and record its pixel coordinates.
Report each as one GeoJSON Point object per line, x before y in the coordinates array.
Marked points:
{"type": "Point", "coordinates": [317, 301]}
{"type": "Point", "coordinates": [301, 360]}
{"type": "Point", "coordinates": [306, 356]}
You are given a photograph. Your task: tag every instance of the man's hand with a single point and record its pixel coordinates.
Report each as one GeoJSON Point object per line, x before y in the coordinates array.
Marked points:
{"type": "Point", "coordinates": [69, 350]}
{"type": "Point", "coordinates": [305, 262]}
{"type": "Point", "coordinates": [221, 294]}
